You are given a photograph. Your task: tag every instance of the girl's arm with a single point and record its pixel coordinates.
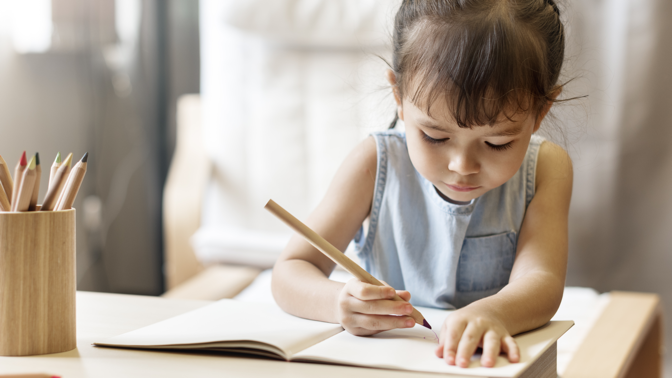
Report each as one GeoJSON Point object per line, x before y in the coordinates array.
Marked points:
{"type": "Point", "coordinates": [300, 281]}
{"type": "Point", "coordinates": [537, 280]}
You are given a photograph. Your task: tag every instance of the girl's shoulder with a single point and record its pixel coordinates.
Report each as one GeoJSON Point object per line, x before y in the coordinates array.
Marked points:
{"type": "Point", "coordinates": [554, 166]}
{"type": "Point", "coordinates": [362, 160]}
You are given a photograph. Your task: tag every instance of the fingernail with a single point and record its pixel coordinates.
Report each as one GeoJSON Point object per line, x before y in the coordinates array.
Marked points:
{"type": "Point", "coordinates": [462, 362]}
{"type": "Point", "coordinates": [450, 357]}
{"type": "Point", "coordinates": [408, 309]}
{"type": "Point", "coordinates": [390, 293]}
{"type": "Point", "coordinates": [409, 323]}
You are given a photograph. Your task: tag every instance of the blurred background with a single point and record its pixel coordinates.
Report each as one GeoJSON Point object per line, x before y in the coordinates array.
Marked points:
{"type": "Point", "coordinates": [284, 89]}
{"type": "Point", "coordinates": [103, 77]}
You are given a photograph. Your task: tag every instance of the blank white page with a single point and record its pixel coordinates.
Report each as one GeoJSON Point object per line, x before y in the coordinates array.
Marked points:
{"type": "Point", "coordinates": [413, 349]}
{"type": "Point", "coordinates": [230, 321]}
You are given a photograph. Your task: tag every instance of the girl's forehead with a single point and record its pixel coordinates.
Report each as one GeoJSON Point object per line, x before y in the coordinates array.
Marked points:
{"type": "Point", "coordinates": [439, 116]}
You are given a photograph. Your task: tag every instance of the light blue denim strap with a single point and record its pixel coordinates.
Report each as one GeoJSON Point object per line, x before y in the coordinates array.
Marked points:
{"type": "Point", "coordinates": [379, 190]}
{"type": "Point", "coordinates": [531, 169]}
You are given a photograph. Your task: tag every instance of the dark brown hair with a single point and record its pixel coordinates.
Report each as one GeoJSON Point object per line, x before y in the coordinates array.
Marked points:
{"type": "Point", "coordinates": [485, 58]}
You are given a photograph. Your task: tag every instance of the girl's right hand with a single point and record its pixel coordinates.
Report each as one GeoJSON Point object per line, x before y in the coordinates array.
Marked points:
{"type": "Point", "coordinates": [365, 309]}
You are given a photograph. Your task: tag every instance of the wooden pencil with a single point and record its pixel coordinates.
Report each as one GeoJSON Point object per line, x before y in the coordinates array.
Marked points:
{"type": "Point", "coordinates": [18, 173]}
{"type": "Point", "coordinates": [54, 167]}
{"type": "Point", "coordinates": [54, 191]}
{"type": "Point", "coordinates": [64, 184]}
{"type": "Point", "coordinates": [333, 253]}
{"type": "Point", "coordinates": [74, 182]}
{"type": "Point", "coordinates": [25, 191]}
{"type": "Point", "coordinates": [36, 187]}
{"type": "Point", "coordinates": [6, 179]}
{"type": "Point", "coordinates": [5, 205]}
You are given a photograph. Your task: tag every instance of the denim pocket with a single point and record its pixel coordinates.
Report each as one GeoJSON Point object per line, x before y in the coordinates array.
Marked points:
{"type": "Point", "coordinates": [485, 263]}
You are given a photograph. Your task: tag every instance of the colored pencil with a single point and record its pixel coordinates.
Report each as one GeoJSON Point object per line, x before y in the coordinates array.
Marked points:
{"type": "Point", "coordinates": [54, 168]}
{"type": "Point", "coordinates": [36, 187]}
{"type": "Point", "coordinates": [74, 182]}
{"type": "Point", "coordinates": [30, 376]}
{"type": "Point", "coordinates": [333, 253]}
{"type": "Point", "coordinates": [64, 183]}
{"type": "Point", "coordinates": [25, 192]}
{"type": "Point", "coordinates": [54, 192]}
{"type": "Point", "coordinates": [18, 173]}
{"type": "Point", "coordinates": [6, 179]}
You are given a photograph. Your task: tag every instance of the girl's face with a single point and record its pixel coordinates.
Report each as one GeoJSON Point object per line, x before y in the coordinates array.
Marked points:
{"type": "Point", "coordinates": [465, 163]}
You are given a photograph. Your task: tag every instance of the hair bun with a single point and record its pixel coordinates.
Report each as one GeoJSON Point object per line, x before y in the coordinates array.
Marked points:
{"type": "Point", "coordinates": [554, 5]}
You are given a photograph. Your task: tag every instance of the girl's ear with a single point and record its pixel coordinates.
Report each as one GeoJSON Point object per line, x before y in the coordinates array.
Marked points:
{"type": "Point", "coordinates": [547, 108]}
{"type": "Point", "coordinates": [392, 79]}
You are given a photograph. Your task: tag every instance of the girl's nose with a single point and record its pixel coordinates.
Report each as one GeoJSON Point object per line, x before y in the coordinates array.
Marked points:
{"type": "Point", "coordinates": [462, 164]}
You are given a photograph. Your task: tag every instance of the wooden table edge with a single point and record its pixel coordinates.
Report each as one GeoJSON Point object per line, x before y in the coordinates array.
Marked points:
{"type": "Point", "coordinates": [626, 340]}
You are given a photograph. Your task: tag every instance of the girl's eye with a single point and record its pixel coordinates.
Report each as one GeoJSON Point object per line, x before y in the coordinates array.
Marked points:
{"type": "Point", "coordinates": [429, 139]}
{"type": "Point", "coordinates": [499, 147]}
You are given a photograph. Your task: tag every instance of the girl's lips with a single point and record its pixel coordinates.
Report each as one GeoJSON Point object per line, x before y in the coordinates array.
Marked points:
{"type": "Point", "coordinates": [460, 188]}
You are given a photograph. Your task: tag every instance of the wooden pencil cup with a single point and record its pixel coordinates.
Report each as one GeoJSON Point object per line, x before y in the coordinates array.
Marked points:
{"type": "Point", "coordinates": [37, 282]}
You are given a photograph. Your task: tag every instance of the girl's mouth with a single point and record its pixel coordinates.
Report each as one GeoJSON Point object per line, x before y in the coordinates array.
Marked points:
{"type": "Point", "coordinates": [462, 188]}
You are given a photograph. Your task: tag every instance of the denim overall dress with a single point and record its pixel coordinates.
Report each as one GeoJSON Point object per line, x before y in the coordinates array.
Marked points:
{"type": "Point", "coordinates": [446, 255]}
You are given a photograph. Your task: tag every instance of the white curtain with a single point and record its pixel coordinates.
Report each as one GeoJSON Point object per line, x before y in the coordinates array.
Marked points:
{"type": "Point", "coordinates": [620, 54]}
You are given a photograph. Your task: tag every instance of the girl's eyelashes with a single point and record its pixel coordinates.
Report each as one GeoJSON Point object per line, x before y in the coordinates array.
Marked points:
{"type": "Point", "coordinates": [431, 140]}
{"type": "Point", "coordinates": [500, 147]}
{"type": "Point", "coordinates": [496, 147]}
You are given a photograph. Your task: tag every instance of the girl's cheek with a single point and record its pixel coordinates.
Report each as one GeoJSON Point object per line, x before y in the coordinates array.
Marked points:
{"type": "Point", "coordinates": [426, 161]}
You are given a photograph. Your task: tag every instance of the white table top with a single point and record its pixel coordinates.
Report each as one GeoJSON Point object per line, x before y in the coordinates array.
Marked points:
{"type": "Point", "coordinates": [102, 315]}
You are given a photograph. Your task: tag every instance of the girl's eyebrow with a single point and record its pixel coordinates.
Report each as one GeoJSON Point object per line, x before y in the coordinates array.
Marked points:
{"type": "Point", "coordinates": [509, 132]}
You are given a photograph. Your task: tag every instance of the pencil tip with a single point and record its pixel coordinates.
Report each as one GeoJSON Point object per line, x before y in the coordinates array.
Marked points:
{"type": "Point", "coordinates": [37, 158]}
{"type": "Point", "coordinates": [31, 163]}
{"type": "Point", "coordinates": [85, 158]}
{"type": "Point", "coordinates": [426, 324]}
{"type": "Point", "coordinates": [68, 159]}
{"type": "Point", "coordinates": [23, 161]}
{"type": "Point", "coordinates": [58, 158]}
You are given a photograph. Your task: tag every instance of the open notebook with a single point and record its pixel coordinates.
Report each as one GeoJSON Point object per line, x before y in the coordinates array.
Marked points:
{"type": "Point", "coordinates": [264, 329]}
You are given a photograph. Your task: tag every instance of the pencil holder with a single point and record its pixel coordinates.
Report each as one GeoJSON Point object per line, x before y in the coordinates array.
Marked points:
{"type": "Point", "coordinates": [37, 282]}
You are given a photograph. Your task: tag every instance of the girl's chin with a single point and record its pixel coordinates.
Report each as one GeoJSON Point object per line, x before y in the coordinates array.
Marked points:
{"type": "Point", "coordinates": [456, 197]}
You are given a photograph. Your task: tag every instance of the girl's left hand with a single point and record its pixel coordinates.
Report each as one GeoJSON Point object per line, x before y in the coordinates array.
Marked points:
{"type": "Point", "coordinates": [466, 329]}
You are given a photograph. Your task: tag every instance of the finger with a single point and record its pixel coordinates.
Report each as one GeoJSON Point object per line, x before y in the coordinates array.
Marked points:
{"type": "Point", "coordinates": [491, 346]}
{"type": "Point", "coordinates": [357, 331]}
{"type": "Point", "coordinates": [405, 295]}
{"type": "Point", "coordinates": [366, 292]}
{"type": "Point", "coordinates": [510, 347]}
{"type": "Point", "coordinates": [449, 341]}
{"type": "Point", "coordinates": [382, 322]}
{"type": "Point", "coordinates": [380, 307]}
{"type": "Point", "coordinates": [468, 343]}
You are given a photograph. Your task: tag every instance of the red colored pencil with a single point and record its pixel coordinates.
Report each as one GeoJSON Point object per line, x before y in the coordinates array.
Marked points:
{"type": "Point", "coordinates": [25, 191]}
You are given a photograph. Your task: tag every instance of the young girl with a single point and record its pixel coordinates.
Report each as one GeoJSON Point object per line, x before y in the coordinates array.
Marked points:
{"type": "Point", "coordinates": [467, 209]}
